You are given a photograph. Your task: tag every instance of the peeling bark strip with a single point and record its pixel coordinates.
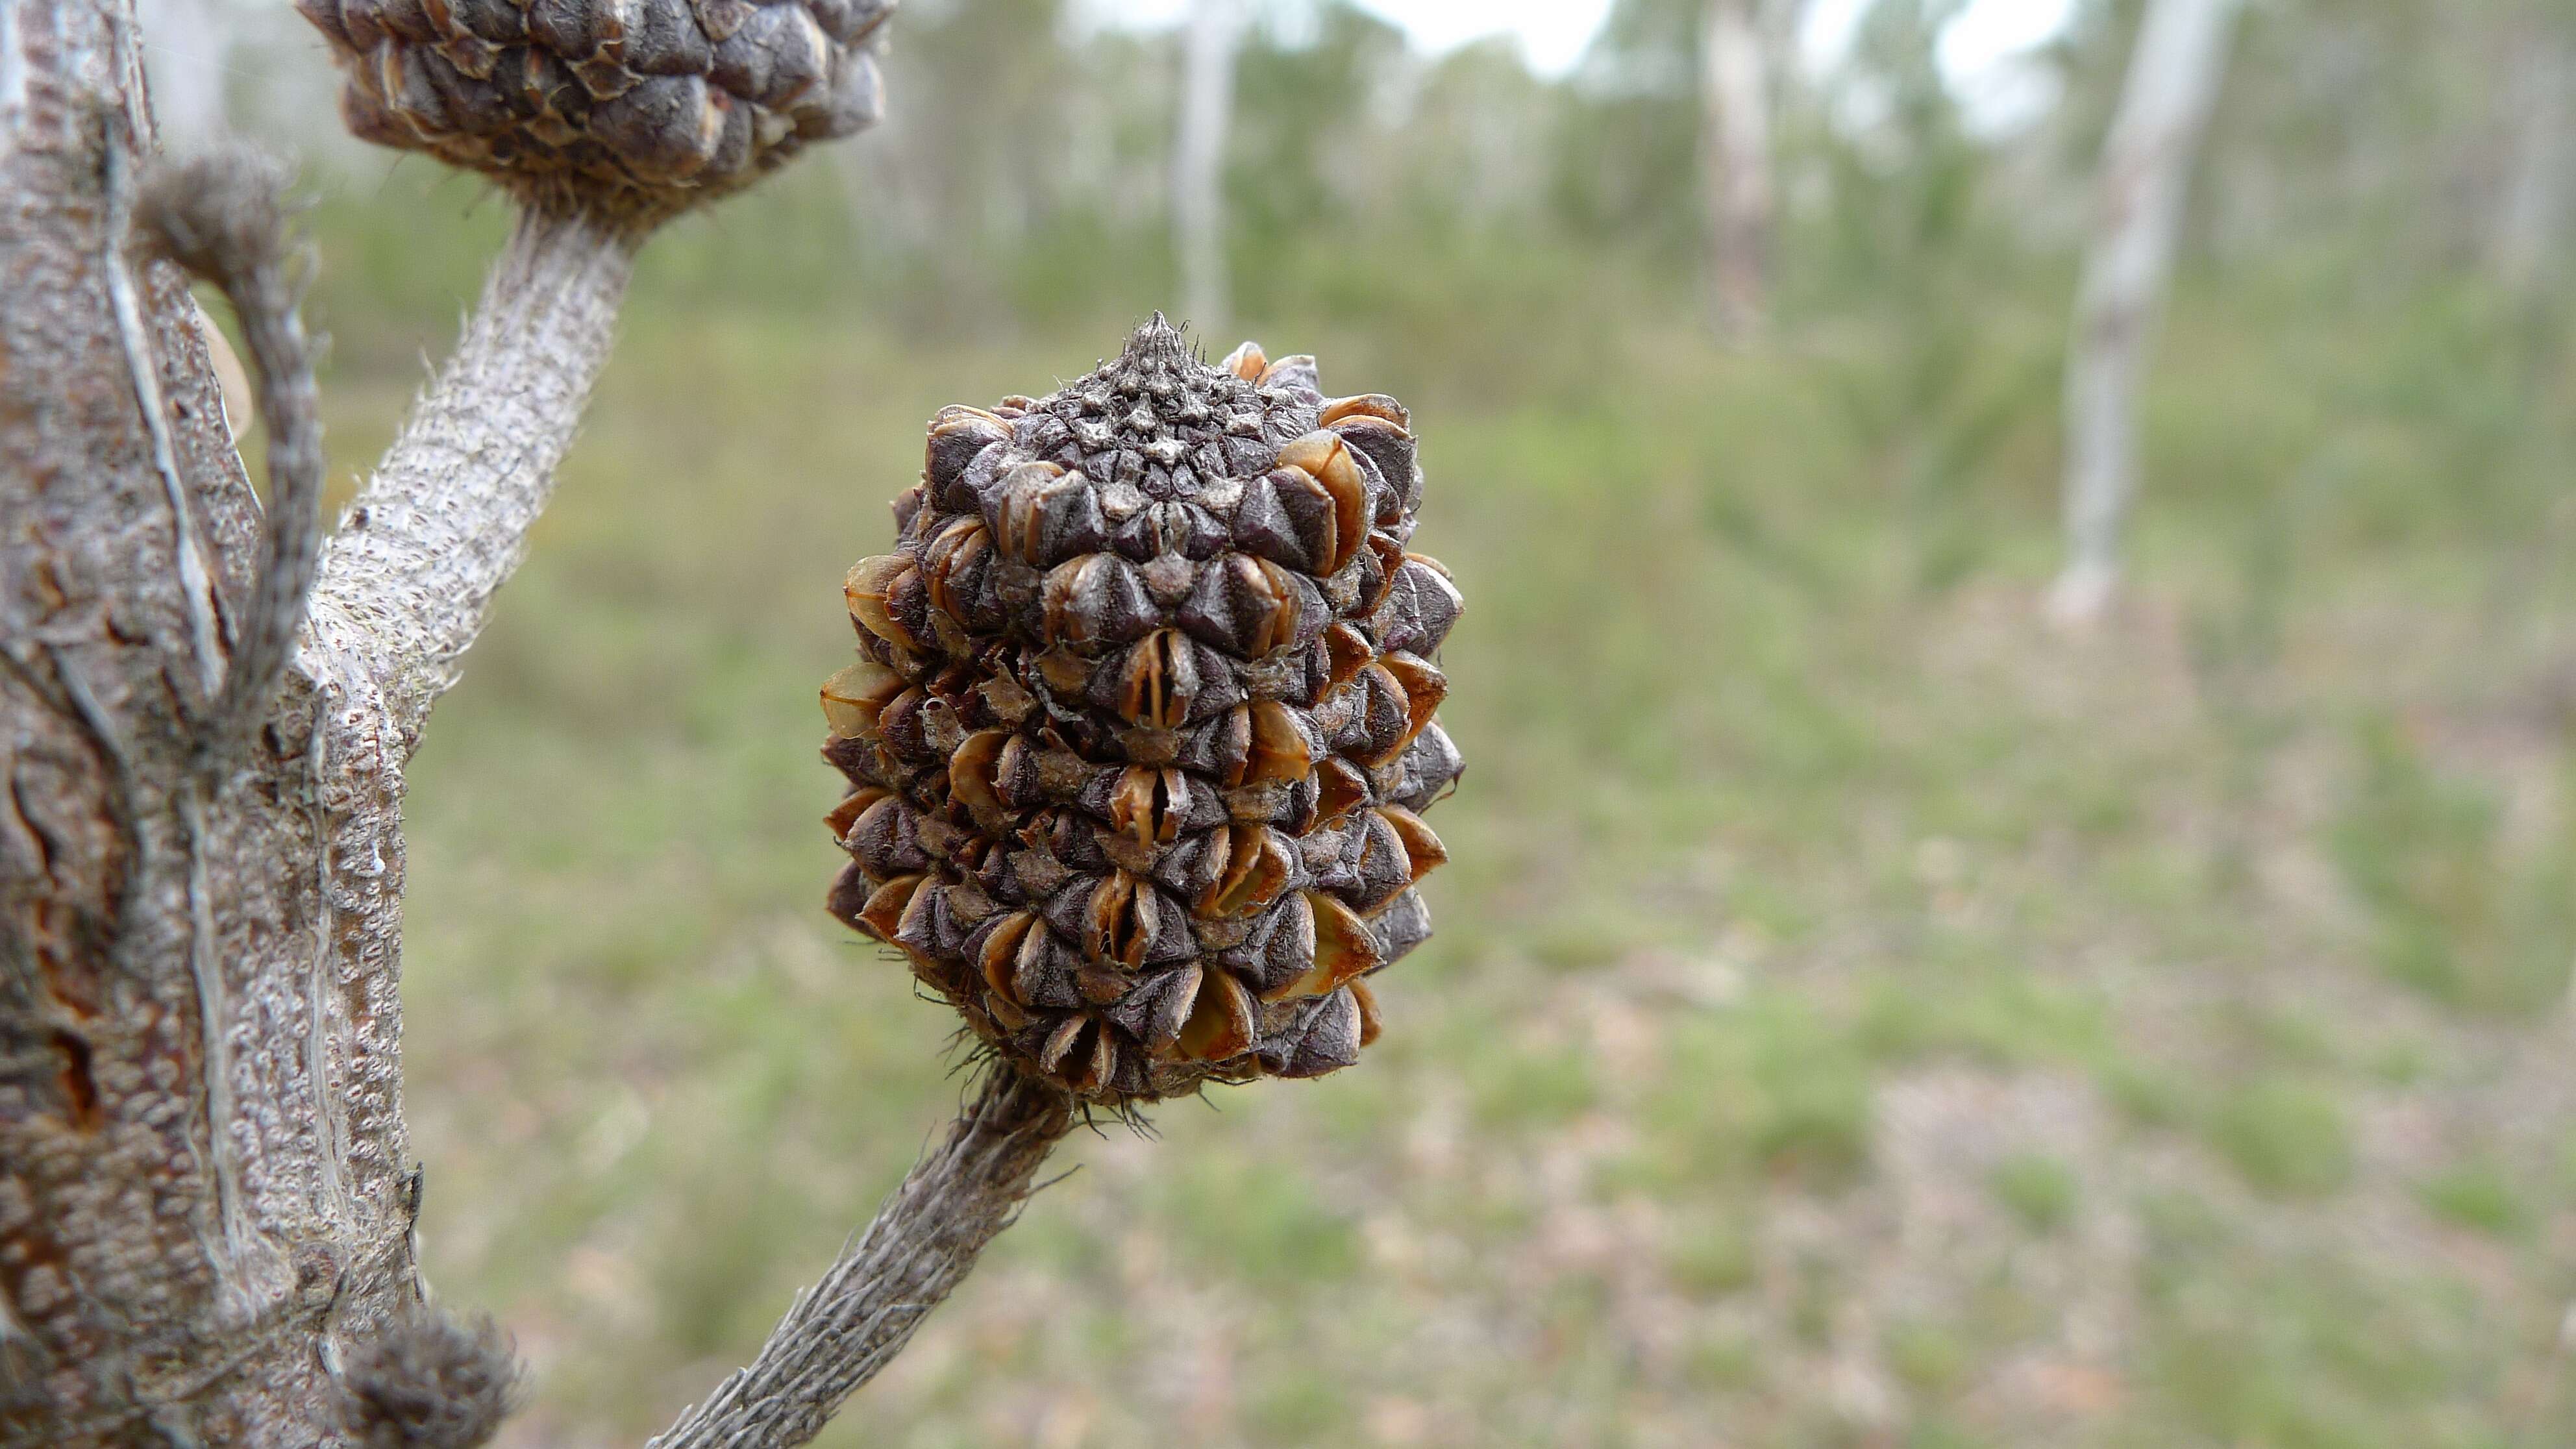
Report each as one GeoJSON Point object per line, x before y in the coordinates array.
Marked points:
{"type": "Point", "coordinates": [2173, 81]}
{"type": "Point", "coordinates": [206, 1190]}
{"type": "Point", "coordinates": [222, 216]}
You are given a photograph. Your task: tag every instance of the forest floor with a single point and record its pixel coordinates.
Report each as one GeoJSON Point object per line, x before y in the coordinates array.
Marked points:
{"type": "Point", "coordinates": [1860, 1014]}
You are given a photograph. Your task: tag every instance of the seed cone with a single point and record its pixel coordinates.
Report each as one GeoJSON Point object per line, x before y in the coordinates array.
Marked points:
{"type": "Point", "coordinates": [1140, 731]}
{"type": "Point", "coordinates": [636, 109]}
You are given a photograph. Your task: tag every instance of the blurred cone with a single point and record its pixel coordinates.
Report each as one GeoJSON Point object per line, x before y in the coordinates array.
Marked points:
{"type": "Point", "coordinates": [636, 110]}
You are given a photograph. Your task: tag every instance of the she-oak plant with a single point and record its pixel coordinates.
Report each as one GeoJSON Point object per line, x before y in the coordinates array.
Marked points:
{"type": "Point", "coordinates": [1139, 736]}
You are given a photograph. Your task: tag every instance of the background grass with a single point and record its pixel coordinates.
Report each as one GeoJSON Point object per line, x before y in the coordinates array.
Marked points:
{"type": "Point", "coordinates": [1858, 1016]}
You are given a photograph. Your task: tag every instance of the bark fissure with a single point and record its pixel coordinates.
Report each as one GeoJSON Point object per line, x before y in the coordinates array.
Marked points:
{"type": "Point", "coordinates": [101, 729]}
{"type": "Point", "coordinates": [334, 1205]}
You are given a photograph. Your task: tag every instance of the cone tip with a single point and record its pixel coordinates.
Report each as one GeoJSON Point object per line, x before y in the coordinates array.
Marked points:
{"type": "Point", "coordinates": [1158, 341]}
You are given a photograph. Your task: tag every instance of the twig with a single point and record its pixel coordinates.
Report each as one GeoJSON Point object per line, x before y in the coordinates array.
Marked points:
{"type": "Point", "coordinates": [921, 1245]}
{"type": "Point", "coordinates": [196, 585]}
{"type": "Point", "coordinates": [221, 216]}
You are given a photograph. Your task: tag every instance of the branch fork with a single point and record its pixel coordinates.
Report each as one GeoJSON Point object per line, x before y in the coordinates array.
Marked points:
{"type": "Point", "coordinates": [207, 1191]}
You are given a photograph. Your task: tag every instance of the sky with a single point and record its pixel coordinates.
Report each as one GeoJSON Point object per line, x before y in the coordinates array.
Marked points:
{"type": "Point", "coordinates": [1552, 33]}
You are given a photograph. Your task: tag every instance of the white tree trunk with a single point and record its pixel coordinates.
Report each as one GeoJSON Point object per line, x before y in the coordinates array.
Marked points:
{"type": "Point", "coordinates": [186, 46]}
{"type": "Point", "coordinates": [1736, 149]}
{"type": "Point", "coordinates": [2533, 210]}
{"type": "Point", "coordinates": [2173, 81]}
{"type": "Point", "coordinates": [1198, 201]}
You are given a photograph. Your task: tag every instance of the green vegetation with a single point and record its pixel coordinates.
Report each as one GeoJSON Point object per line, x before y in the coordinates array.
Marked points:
{"type": "Point", "coordinates": [2285, 1137]}
{"type": "Point", "coordinates": [2480, 1196]}
{"type": "Point", "coordinates": [2459, 916]}
{"type": "Point", "coordinates": [2041, 1191]}
{"type": "Point", "coordinates": [1859, 1014]}
{"type": "Point", "coordinates": [1696, 924]}
{"type": "Point", "coordinates": [1712, 1256]}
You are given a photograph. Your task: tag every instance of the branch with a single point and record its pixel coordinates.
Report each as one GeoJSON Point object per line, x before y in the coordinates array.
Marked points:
{"type": "Point", "coordinates": [922, 1244]}
{"type": "Point", "coordinates": [196, 583]}
{"type": "Point", "coordinates": [408, 580]}
{"type": "Point", "coordinates": [221, 216]}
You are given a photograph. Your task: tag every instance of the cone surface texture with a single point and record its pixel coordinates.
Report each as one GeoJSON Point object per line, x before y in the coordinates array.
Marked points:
{"type": "Point", "coordinates": [1140, 733]}
{"type": "Point", "coordinates": [627, 107]}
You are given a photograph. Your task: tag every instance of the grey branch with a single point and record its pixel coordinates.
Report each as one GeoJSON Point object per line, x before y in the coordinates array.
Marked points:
{"type": "Point", "coordinates": [921, 1245]}
{"type": "Point", "coordinates": [408, 580]}
{"type": "Point", "coordinates": [200, 1005]}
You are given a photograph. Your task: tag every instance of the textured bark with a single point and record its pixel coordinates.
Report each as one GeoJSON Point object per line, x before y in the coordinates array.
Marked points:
{"type": "Point", "coordinates": [2173, 80]}
{"type": "Point", "coordinates": [221, 216]}
{"type": "Point", "coordinates": [1198, 166]}
{"type": "Point", "coordinates": [205, 1188]}
{"type": "Point", "coordinates": [923, 1242]}
{"type": "Point", "coordinates": [207, 1194]}
{"type": "Point", "coordinates": [151, 1272]}
{"type": "Point", "coordinates": [1736, 146]}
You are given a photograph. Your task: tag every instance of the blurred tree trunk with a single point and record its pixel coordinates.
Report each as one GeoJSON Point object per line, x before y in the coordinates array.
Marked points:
{"type": "Point", "coordinates": [1198, 182]}
{"type": "Point", "coordinates": [190, 43]}
{"type": "Point", "coordinates": [1735, 145]}
{"type": "Point", "coordinates": [2532, 209]}
{"type": "Point", "coordinates": [2173, 80]}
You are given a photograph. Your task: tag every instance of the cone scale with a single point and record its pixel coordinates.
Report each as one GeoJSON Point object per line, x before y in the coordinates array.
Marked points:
{"type": "Point", "coordinates": [1140, 731]}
